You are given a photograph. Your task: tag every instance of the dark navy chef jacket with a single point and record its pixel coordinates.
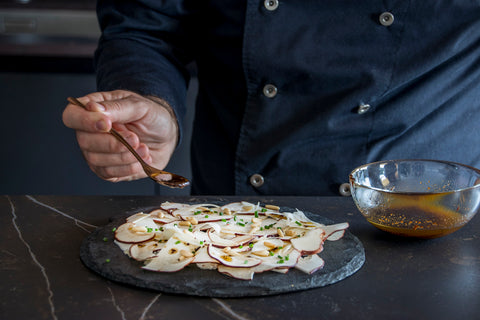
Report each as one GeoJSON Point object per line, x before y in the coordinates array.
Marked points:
{"type": "Point", "coordinates": [294, 94]}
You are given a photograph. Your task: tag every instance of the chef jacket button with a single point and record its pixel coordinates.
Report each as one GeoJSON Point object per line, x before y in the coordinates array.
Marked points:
{"type": "Point", "coordinates": [257, 180]}
{"type": "Point", "coordinates": [363, 108]}
{"type": "Point", "coordinates": [344, 190]}
{"type": "Point", "coordinates": [271, 5]}
{"type": "Point", "coordinates": [270, 91]}
{"type": "Point", "coordinates": [386, 19]}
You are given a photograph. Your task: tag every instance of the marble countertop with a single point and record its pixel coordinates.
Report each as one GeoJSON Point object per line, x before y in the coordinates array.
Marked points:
{"type": "Point", "coordinates": [44, 278]}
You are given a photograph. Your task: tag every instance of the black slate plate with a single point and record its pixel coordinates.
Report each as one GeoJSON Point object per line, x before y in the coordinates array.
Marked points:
{"type": "Point", "coordinates": [99, 253]}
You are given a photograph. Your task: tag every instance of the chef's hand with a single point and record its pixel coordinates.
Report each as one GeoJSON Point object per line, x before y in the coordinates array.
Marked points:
{"type": "Point", "coordinates": [148, 124]}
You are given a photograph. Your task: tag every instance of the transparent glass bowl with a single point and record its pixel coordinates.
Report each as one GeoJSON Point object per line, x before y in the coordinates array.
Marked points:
{"type": "Point", "coordinates": [416, 198]}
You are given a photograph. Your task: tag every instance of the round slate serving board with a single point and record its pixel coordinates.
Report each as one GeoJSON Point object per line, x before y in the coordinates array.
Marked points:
{"type": "Point", "coordinates": [99, 253]}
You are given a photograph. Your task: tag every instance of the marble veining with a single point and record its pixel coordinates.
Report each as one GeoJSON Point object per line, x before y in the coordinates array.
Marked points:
{"type": "Point", "coordinates": [229, 310]}
{"type": "Point", "coordinates": [34, 258]}
{"type": "Point", "coordinates": [145, 311]}
{"type": "Point", "coordinates": [115, 304]}
{"type": "Point", "coordinates": [43, 278]}
{"type": "Point", "coordinates": [83, 225]}
{"type": "Point", "coordinates": [78, 222]}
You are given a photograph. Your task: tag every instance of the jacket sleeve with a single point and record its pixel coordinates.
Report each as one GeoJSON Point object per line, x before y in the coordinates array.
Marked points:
{"type": "Point", "coordinates": [144, 47]}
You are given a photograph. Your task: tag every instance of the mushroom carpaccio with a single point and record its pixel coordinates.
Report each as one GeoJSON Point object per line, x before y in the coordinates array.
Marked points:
{"type": "Point", "coordinates": [237, 239]}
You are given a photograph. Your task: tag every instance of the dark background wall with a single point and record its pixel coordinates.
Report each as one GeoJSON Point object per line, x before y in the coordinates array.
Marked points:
{"type": "Point", "coordinates": [46, 50]}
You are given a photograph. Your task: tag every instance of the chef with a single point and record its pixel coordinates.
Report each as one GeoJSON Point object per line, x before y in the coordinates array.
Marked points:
{"type": "Point", "coordinates": [293, 95]}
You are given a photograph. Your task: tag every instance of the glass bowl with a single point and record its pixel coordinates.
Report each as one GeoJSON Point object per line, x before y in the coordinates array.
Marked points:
{"type": "Point", "coordinates": [416, 198]}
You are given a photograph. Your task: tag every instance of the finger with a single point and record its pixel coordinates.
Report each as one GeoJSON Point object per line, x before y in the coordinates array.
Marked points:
{"type": "Point", "coordinates": [126, 110]}
{"type": "Point", "coordinates": [128, 172]}
{"type": "Point", "coordinates": [77, 118]}
{"type": "Point", "coordinates": [116, 159]}
{"type": "Point", "coordinates": [109, 159]}
{"type": "Point", "coordinates": [105, 143]}
{"type": "Point", "coordinates": [100, 96]}
{"type": "Point", "coordinates": [122, 106]}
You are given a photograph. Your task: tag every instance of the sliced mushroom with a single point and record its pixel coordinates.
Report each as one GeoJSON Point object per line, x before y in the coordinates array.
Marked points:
{"type": "Point", "coordinates": [237, 261]}
{"type": "Point", "coordinates": [177, 253]}
{"type": "Point", "coordinates": [237, 273]}
{"type": "Point", "coordinates": [130, 233]}
{"type": "Point", "coordinates": [310, 243]}
{"type": "Point", "coordinates": [125, 247]}
{"type": "Point", "coordinates": [335, 231]}
{"type": "Point", "coordinates": [166, 218]}
{"type": "Point", "coordinates": [136, 217]}
{"type": "Point", "coordinates": [145, 250]}
{"type": "Point", "coordinates": [218, 241]}
{"type": "Point", "coordinates": [208, 265]}
{"type": "Point", "coordinates": [310, 264]}
{"type": "Point", "coordinates": [202, 256]}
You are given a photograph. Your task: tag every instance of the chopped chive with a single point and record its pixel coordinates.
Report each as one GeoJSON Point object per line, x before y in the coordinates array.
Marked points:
{"type": "Point", "coordinates": [251, 245]}
{"type": "Point", "coordinates": [105, 239]}
{"type": "Point", "coordinates": [245, 262]}
{"type": "Point", "coordinates": [107, 260]}
{"type": "Point", "coordinates": [256, 214]}
{"type": "Point", "coordinates": [149, 229]}
{"type": "Point", "coordinates": [206, 216]}
{"type": "Point", "coordinates": [286, 258]}
{"type": "Point", "coordinates": [197, 212]}
{"type": "Point", "coordinates": [298, 223]}
{"type": "Point", "coordinates": [114, 229]}
{"type": "Point", "coordinates": [241, 224]}
{"type": "Point", "coordinates": [224, 220]}
{"type": "Point", "coordinates": [264, 210]}
{"type": "Point", "coordinates": [220, 213]}
{"type": "Point", "coordinates": [240, 246]}
{"type": "Point", "coordinates": [178, 242]}
{"type": "Point", "coordinates": [201, 242]}
{"type": "Point", "coordinates": [271, 253]}
{"type": "Point", "coordinates": [280, 261]}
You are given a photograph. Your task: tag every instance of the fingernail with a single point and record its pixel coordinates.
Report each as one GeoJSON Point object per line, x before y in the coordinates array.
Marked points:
{"type": "Point", "coordinates": [101, 125]}
{"type": "Point", "coordinates": [100, 107]}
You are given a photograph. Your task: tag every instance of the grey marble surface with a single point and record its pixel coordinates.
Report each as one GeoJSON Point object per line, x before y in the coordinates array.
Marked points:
{"type": "Point", "coordinates": [43, 277]}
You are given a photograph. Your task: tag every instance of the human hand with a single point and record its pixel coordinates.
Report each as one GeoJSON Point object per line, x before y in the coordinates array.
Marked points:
{"type": "Point", "coordinates": [147, 123]}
